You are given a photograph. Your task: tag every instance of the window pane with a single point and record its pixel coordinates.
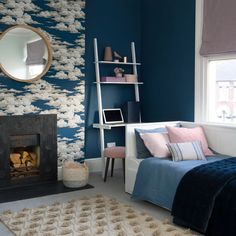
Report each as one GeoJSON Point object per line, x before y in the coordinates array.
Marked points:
{"type": "Point", "coordinates": [222, 91]}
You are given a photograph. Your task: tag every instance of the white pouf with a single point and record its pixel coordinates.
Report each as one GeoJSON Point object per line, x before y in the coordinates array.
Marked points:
{"type": "Point", "coordinates": [74, 174]}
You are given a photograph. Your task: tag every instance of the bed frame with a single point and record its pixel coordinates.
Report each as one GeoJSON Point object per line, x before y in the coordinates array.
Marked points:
{"type": "Point", "coordinates": [221, 138]}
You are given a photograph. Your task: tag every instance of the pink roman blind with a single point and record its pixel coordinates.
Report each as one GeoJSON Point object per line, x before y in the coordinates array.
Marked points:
{"type": "Point", "coordinates": [219, 27]}
{"type": "Point", "coordinates": [35, 53]}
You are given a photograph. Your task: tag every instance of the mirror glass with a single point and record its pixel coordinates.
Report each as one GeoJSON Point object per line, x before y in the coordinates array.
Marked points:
{"type": "Point", "coordinates": [25, 53]}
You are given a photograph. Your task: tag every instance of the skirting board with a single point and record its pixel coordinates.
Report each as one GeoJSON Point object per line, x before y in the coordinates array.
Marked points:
{"type": "Point", "coordinates": [94, 164]}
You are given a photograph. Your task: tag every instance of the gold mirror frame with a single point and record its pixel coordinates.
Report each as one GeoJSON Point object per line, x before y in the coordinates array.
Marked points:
{"type": "Point", "coordinates": [48, 46]}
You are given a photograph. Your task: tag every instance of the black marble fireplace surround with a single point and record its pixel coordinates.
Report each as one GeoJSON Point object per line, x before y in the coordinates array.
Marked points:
{"type": "Point", "coordinates": [24, 131]}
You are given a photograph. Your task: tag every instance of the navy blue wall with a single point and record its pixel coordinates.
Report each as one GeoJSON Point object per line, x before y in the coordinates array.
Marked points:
{"type": "Point", "coordinates": [114, 23]}
{"type": "Point", "coordinates": [168, 36]}
{"type": "Point", "coordinates": [165, 29]}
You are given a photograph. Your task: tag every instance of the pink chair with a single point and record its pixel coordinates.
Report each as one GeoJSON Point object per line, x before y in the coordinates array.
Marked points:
{"type": "Point", "coordinates": [113, 153]}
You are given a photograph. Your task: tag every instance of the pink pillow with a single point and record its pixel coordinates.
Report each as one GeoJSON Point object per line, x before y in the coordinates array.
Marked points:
{"type": "Point", "coordinates": [181, 135]}
{"type": "Point", "coordinates": [156, 143]}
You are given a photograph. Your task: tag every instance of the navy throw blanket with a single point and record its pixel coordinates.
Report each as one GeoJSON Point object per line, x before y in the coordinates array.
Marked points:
{"type": "Point", "coordinates": [197, 191]}
{"type": "Point", "coordinates": [222, 221]}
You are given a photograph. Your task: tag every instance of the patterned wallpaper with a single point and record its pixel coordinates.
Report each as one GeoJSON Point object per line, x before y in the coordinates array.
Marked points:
{"type": "Point", "coordinates": [61, 90]}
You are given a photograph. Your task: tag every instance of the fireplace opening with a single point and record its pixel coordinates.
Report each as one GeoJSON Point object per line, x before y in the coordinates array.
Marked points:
{"type": "Point", "coordinates": [24, 158]}
{"type": "Point", "coordinates": [24, 162]}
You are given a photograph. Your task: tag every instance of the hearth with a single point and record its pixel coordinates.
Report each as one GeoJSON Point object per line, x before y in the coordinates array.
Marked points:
{"type": "Point", "coordinates": [28, 150]}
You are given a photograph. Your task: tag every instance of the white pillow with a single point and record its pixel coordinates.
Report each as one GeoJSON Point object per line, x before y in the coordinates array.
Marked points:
{"type": "Point", "coordinates": [186, 151]}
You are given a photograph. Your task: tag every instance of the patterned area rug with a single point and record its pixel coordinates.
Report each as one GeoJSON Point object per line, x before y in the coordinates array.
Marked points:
{"type": "Point", "coordinates": [93, 216]}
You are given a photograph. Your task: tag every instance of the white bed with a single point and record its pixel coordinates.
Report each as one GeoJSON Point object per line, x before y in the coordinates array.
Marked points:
{"type": "Point", "coordinates": [221, 138]}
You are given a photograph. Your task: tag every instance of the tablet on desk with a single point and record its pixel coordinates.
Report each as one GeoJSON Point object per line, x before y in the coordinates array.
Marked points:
{"type": "Point", "coordinates": [113, 116]}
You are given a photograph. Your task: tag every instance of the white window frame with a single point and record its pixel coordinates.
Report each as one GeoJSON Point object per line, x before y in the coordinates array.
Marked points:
{"type": "Point", "coordinates": [201, 84]}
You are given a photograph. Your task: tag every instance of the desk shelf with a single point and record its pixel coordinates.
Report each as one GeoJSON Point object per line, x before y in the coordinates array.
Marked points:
{"type": "Point", "coordinates": [118, 63]}
{"type": "Point", "coordinates": [128, 83]}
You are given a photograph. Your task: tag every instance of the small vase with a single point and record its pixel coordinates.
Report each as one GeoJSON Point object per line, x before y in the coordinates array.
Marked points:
{"type": "Point", "coordinates": [107, 54]}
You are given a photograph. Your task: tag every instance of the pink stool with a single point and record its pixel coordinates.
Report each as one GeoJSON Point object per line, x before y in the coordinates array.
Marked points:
{"type": "Point", "coordinates": [114, 153]}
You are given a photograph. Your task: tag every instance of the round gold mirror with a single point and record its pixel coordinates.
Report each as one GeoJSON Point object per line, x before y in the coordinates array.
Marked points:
{"type": "Point", "coordinates": [25, 53]}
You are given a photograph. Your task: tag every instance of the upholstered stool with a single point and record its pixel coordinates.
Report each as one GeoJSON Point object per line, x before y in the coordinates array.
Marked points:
{"type": "Point", "coordinates": [113, 153]}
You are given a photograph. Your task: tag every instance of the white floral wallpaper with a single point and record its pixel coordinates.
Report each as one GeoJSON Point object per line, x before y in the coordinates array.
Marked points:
{"type": "Point", "coordinates": [61, 90]}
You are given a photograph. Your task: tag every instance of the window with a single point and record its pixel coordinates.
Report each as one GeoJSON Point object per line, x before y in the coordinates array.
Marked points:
{"type": "Point", "coordinates": [215, 81]}
{"type": "Point", "coordinates": [221, 90]}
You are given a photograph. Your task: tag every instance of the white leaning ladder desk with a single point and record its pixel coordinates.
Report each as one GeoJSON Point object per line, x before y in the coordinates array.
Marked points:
{"type": "Point", "coordinates": [101, 126]}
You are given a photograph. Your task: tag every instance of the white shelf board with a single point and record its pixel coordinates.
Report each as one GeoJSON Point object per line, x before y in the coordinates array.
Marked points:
{"type": "Point", "coordinates": [118, 82]}
{"type": "Point", "coordinates": [108, 126]}
{"type": "Point", "coordinates": [118, 63]}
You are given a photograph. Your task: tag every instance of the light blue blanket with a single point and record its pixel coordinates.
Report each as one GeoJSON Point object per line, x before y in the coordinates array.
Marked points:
{"type": "Point", "coordinates": [157, 179]}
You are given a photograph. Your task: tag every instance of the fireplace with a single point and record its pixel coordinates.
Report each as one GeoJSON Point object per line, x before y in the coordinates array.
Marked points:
{"type": "Point", "coordinates": [28, 150]}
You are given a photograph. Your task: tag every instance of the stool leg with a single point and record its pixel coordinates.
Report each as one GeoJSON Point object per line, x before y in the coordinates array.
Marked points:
{"type": "Point", "coordinates": [123, 161]}
{"type": "Point", "coordinates": [112, 166]}
{"type": "Point", "coordinates": [107, 167]}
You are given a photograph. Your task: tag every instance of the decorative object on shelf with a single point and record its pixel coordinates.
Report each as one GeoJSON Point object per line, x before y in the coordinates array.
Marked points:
{"type": "Point", "coordinates": [107, 54]}
{"type": "Point", "coordinates": [125, 59]}
{"type": "Point", "coordinates": [130, 78]}
{"type": "Point", "coordinates": [119, 71]}
{"type": "Point", "coordinates": [117, 56]}
{"type": "Point", "coordinates": [75, 174]}
{"type": "Point", "coordinates": [112, 79]}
